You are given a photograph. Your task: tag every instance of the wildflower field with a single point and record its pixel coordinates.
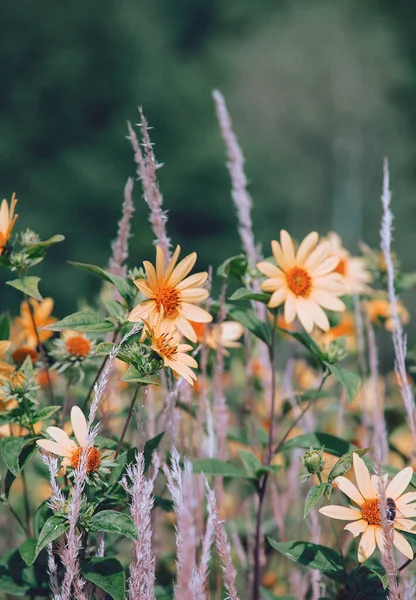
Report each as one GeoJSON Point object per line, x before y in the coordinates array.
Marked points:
{"type": "Point", "coordinates": [166, 441]}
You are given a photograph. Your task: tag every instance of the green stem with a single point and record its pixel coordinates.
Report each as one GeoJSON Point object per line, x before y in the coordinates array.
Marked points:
{"type": "Point", "coordinates": [100, 370]}
{"type": "Point", "coordinates": [18, 519]}
{"type": "Point", "coordinates": [126, 424]}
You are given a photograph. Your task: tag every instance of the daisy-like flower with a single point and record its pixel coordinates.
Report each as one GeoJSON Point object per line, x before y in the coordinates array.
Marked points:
{"type": "Point", "coordinates": [165, 341]}
{"type": "Point", "coordinates": [352, 269]}
{"type": "Point", "coordinates": [24, 330]}
{"type": "Point", "coordinates": [63, 446]}
{"type": "Point", "coordinates": [224, 334]}
{"type": "Point", "coordinates": [171, 292]}
{"type": "Point", "coordinates": [5, 368]}
{"type": "Point", "coordinates": [7, 221]}
{"type": "Point", "coordinates": [365, 515]}
{"type": "Point", "coordinates": [379, 312]}
{"type": "Point", "coordinates": [305, 281]}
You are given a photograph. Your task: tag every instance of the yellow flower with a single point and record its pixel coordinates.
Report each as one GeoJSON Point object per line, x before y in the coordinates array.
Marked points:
{"type": "Point", "coordinates": [166, 342]}
{"type": "Point", "coordinates": [352, 269]}
{"type": "Point", "coordinates": [64, 446]}
{"type": "Point", "coordinates": [305, 280]}
{"type": "Point", "coordinates": [379, 311]}
{"type": "Point", "coordinates": [223, 334]}
{"type": "Point", "coordinates": [365, 518]}
{"type": "Point", "coordinates": [5, 368]}
{"type": "Point", "coordinates": [7, 221]}
{"type": "Point", "coordinates": [24, 331]}
{"type": "Point", "coordinates": [172, 293]}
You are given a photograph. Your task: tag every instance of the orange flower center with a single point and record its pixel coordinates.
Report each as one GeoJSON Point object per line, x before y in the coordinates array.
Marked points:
{"type": "Point", "coordinates": [169, 299]}
{"type": "Point", "coordinates": [165, 347]}
{"type": "Point", "coordinates": [20, 354]}
{"type": "Point", "coordinates": [93, 460]}
{"type": "Point", "coordinates": [341, 267]}
{"type": "Point", "coordinates": [370, 510]}
{"type": "Point", "coordinates": [78, 345]}
{"type": "Point", "coordinates": [299, 282]}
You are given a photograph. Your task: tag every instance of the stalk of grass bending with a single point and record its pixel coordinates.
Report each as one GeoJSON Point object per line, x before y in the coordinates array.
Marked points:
{"type": "Point", "coordinates": [146, 171]}
{"type": "Point", "coordinates": [100, 370]}
{"type": "Point", "coordinates": [120, 245]}
{"type": "Point", "coordinates": [41, 350]}
{"type": "Point", "coordinates": [399, 339]}
{"type": "Point", "coordinates": [127, 422]}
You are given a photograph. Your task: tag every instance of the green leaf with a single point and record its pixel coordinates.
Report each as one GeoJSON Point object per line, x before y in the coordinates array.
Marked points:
{"type": "Point", "coordinates": [150, 447]}
{"type": "Point", "coordinates": [84, 320]}
{"type": "Point", "coordinates": [268, 469]}
{"type": "Point", "coordinates": [345, 463]}
{"type": "Point", "coordinates": [11, 448]}
{"type": "Point", "coordinates": [307, 342]}
{"type": "Point", "coordinates": [126, 290]}
{"type": "Point", "coordinates": [54, 527]}
{"type": "Point", "coordinates": [108, 574]}
{"type": "Point", "coordinates": [246, 294]}
{"type": "Point", "coordinates": [28, 450]}
{"type": "Point", "coordinates": [27, 285]}
{"type": "Point", "coordinates": [250, 320]}
{"type": "Point", "coordinates": [104, 348]}
{"type": "Point", "coordinates": [313, 497]}
{"type": "Point", "coordinates": [133, 375]}
{"type": "Point", "coordinates": [10, 586]}
{"type": "Point", "coordinates": [114, 522]}
{"type": "Point", "coordinates": [27, 551]}
{"type": "Point", "coordinates": [116, 310]}
{"type": "Point", "coordinates": [42, 514]}
{"type": "Point", "coordinates": [350, 381]}
{"type": "Point", "coordinates": [39, 248]}
{"type": "Point", "coordinates": [4, 326]}
{"type": "Point", "coordinates": [333, 445]}
{"type": "Point", "coordinates": [235, 267]}
{"type": "Point", "coordinates": [213, 466]}
{"type": "Point", "coordinates": [43, 414]}
{"type": "Point", "coordinates": [251, 463]}
{"type": "Point", "coordinates": [314, 556]}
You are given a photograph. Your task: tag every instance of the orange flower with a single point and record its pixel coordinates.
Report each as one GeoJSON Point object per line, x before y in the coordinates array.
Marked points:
{"type": "Point", "coordinates": [379, 311]}
{"type": "Point", "coordinates": [352, 269]}
{"type": "Point", "coordinates": [7, 221]}
{"type": "Point", "coordinates": [5, 368]}
{"type": "Point", "coordinates": [172, 294]}
{"type": "Point", "coordinates": [225, 334]}
{"type": "Point", "coordinates": [25, 331]}
{"type": "Point", "coordinates": [77, 343]}
{"type": "Point", "coordinates": [305, 280]}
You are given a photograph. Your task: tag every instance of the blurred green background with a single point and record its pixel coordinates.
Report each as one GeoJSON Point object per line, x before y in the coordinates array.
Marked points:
{"type": "Point", "coordinates": [319, 92]}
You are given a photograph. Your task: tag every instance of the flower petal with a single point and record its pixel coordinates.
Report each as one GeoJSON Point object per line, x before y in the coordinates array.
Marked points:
{"type": "Point", "coordinates": [290, 309]}
{"type": "Point", "coordinates": [60, 436]}
{"type": "Point", "coordinates": [195, 313]}
{"type": "Point", "coordinates": [79, 424]}
{"type": "Point", "coordinates": [367, 543]}
{"type": "Point", "coordinates": [327, 300]}
{"type": "Point", "coordinates": [404, 524]}
{"type": "Point", "coordinates": [341, 512]}
{"type": "Point", "coordinates": [172, 263]}
{"type": "Point", "coordinates": [362, 476]}
{"type": "Point", "coordinates": [269, 269]}
{"type": "Point", "coordinates": [399, 483]}
{"type": "Point", "coordinates": [182, 270]}
{"type": "Point", "coordinates": [306, 247]}
{"type": "Point", "coordinates": [402, 545]}
{"type": "Point", "coordinates": [287, 248]}
{"type": "Point", "coordinates": [325, 267]}
{"type": "Point", "coordinates": [195, 280]}
{"type": "Point", "coordinates": [405, 499]}
{"type": "Point", "coordinates": [277, 298]}
{"type": "Point", "coordinates": [53, 447]}
{"type": "Point", "coordinates": [357, 527]}
{"type": "Point", "coordinates": [160, 262]}
{"type": "Point", "coordinates": [345, 485]}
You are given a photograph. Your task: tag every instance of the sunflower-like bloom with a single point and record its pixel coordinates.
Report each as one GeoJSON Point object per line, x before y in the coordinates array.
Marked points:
{"type": "Point", "coordinates": [224, 335]}
{"type": "Point", "coordinates": [64, 446]}
{"type": "Point", "coordinates": [7, 221]}
{"type": "Point", "coordinates": [24, 330]}
{"type": "Point", "coordinates": [171, 293]}
{"type": "Point", "coordinates": [365, 516]}
{"type": "Point", "coordinates": [352, 269]}
{"type": "Point", "coordinates": [305, 281]}
{"type": "Point", "coordinates": [379, 312]}
{"type": "Point", "coordinates": [165, 341]}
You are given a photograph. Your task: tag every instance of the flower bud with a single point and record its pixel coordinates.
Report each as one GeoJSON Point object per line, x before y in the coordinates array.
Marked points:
{"type": "Point", "coordinates": [313, 461]}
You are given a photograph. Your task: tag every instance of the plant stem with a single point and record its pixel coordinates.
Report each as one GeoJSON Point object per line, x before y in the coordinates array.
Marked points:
{"type": "Point", "coordinates": [41, 350]}
{"type": "Point", "coordinates": [27, 507]}
{"type": "Point", "coordinates": [18, 519]}
{"type": "Point", "coordinates": [126, 424]}
{"type": "Point", "coordinates": [100, 370]}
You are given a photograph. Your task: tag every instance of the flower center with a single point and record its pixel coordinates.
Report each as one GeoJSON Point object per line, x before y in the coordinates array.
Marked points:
{"type": "Point", "coordinates": [169, 299]}
{"type": "Point", "coordinates": [165, 347]}
{"type": "Point", "coordinates": [93, 460]}
{"type": "Point", "coordinates": [78, 345]}
{"type": "Point", "coordinates": [20, 354]}
{"type": "Point", "coordinates": [299, 282]}
{"type": "Point", "coordinates": [371, 511]}
{"type": "Point", "coordinates": [341, 267]}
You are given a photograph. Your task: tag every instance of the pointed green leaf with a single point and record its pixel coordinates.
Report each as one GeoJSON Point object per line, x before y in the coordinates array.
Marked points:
{"type": "Point", "coordinates": [333, 445]}
{"type": "Point", "coordinates": [307, 342]}
{"type": "Point", "coordinates": [235, 267]}
{"type": "Point", "coordinates": [314, 556]}
{"type": "Point", "coordinates": [350, 381]}
{"type": "Point", "coordinates": [114, 522]}
{"type": "Point", "coordinates": [251, 463]}
{"type": "Point", "coordinates": [11, 448]}
{"type": "Point", "coordinates": [25, 454]}
{"type": "Point", "coordinates": [27, 551]}
{"type": "Point", "coordinates": [27, 285]}
{"type": "Point", "coordinates": [84, 320]}
{"type": "Point", "coordinates": [123, 286]}
{"type": "Point", "coordinates": [313, 497]}
{"type": "Point", "coordinates": [246, 294]}
{"type": "Point", "coordinates": [250, 320]}
{"type": "Point", "coordinates": [133, 375]}
{"type": "Point", "coordinates": [54, 527]}
{"type": "Point", "coordinates": [38, 249]}
{"type": "Point", "coordinates": [106, 573]}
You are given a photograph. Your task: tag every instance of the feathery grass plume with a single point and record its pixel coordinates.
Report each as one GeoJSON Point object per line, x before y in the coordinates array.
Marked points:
{"type": "Point", "coordinates": [203, 568]}
{"type": "Point", "coordinates": [399, 339]}
{"type": "Point", "coordinates": [53, 573]}
{"type": "Point", "coordinates": [409, 586]}
{"type": "Point", "coordinates": [380, 441]}
{"type": "Point", "coordinates": [316, 539]}
{"type": "Point", "coordinates": [359, 328]}
{"type": "Point", "coordinates": [222, 545]}
{"type": "Point", "coordinates": [142, 567]}
{"type": "Point", "coordinates": [120, 245]}
{"type": "Point", "coordinates": [180, 486]}
{"type": "Point", "coordinates": [220, 405]}
{"type": "Point", "coordinates": [146, 171]}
